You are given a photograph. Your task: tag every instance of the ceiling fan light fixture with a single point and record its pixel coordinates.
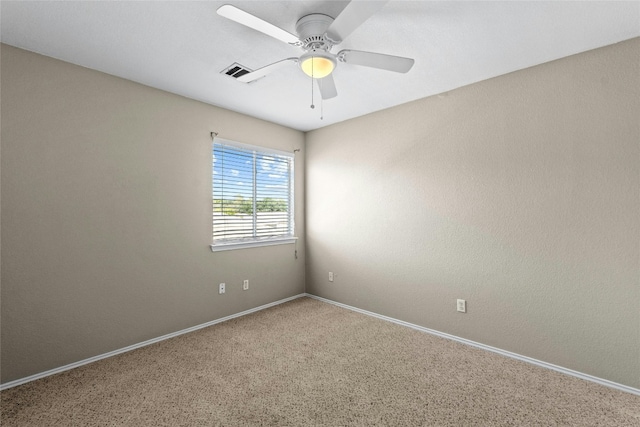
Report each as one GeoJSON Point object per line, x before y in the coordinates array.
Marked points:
{"type": "Point", "coordinates": [317, 64]}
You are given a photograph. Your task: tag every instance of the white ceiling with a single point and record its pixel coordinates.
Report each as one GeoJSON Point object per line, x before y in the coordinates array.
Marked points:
{"type": "Point", "coordinates": [182, 46]}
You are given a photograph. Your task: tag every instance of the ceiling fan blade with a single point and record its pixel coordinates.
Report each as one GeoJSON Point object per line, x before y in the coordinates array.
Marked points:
{"type": "Point", "coordinates": [398, 64]}
{"type": "Point", "coordinates": [248, 20]}
{"type": "Point", "coordinates": [351, 18]}
{"type": "Point", "coordinates": [327, 87]}
{"type": "Point", "coordinates": [268, 69]}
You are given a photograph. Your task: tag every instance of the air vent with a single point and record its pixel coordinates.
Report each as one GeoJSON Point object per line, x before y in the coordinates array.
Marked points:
{"type": "Point", "coordinates": [235, 70]}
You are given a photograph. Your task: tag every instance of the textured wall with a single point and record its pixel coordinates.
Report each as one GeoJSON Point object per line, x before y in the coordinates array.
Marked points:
{"type": "Point", "coordinates": [106, 215]}
{"type": "Point", "coordinates": [519, 194]}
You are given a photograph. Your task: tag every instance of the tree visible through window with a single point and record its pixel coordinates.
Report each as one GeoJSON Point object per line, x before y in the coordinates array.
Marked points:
{"type": "Point", "coordinates": [252, 193]}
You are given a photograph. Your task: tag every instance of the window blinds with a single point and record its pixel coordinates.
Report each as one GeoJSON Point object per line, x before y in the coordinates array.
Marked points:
{"type": "Point", "coordinates": [252, 193]}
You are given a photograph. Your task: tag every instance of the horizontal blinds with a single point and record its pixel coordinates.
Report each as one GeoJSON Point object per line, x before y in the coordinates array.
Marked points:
{"type": "Point", "coordinates": [252, 194]}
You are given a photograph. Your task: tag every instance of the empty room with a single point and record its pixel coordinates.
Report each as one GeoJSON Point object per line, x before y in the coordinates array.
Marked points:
{"type": "Point", "coordinates": [319, 213]}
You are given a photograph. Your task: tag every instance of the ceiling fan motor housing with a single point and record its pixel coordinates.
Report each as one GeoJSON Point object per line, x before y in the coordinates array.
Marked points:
{"type": "Point", "coordinates": [311, 30]}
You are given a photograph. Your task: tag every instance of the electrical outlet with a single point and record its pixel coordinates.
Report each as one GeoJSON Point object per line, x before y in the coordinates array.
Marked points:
{"type": "Point", "coordinates": [331, 276]}
{"type": "Point", "coordinates": [462, 306]}
{"type": "Point", "coordinates": [245, 285]}
{"type": "Point", "coordinates": [221, 288]}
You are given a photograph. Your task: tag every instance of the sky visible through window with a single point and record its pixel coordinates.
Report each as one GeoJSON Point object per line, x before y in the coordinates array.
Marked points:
{"type": "Point", "coordinates": [233, 175]}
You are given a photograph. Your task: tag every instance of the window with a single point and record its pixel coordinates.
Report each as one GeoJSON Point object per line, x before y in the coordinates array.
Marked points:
{"type": "Point", "coordinates": [252, 196]}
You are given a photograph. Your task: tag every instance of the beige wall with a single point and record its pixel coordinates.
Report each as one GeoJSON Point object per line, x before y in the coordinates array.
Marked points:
{"type": "Point", "coordinates": [106, 215]}
{"type": "Point", "coordinates": [519, 194]}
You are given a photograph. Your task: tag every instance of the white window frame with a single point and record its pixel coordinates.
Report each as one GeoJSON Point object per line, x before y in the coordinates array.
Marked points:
{"type": "Point", "coordinates": [230, 244]}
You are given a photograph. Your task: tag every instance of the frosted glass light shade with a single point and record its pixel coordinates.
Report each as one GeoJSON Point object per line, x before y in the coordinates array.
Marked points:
{"type": "Point", "coordinates": [317, 64]}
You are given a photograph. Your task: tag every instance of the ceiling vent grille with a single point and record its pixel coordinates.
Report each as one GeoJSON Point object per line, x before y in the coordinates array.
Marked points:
{"type": "Point", "coordinates": [235, 70]}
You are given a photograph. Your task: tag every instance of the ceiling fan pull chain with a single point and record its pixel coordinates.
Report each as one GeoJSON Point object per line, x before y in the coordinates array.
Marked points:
{"type": "Point", "coordinates": [312, 106]}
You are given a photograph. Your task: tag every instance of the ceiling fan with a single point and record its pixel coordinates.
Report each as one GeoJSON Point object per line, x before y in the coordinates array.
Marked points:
{"type": "Point", "coordinates": [317, 34]}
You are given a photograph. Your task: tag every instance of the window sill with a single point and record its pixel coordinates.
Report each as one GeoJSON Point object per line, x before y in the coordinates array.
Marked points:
{"type": "Point", "coordinates": [254, 244]}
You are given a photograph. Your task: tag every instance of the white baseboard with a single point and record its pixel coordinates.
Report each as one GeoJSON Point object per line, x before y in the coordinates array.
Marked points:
{"type": "Point", "coordinates": [506, 353]}
{"type": "Point", "coordinates": [54, 371]}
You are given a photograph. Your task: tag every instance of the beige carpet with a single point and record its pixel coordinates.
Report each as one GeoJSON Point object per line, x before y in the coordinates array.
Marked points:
{"type": "Point", "coordinates": [309, 363]}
